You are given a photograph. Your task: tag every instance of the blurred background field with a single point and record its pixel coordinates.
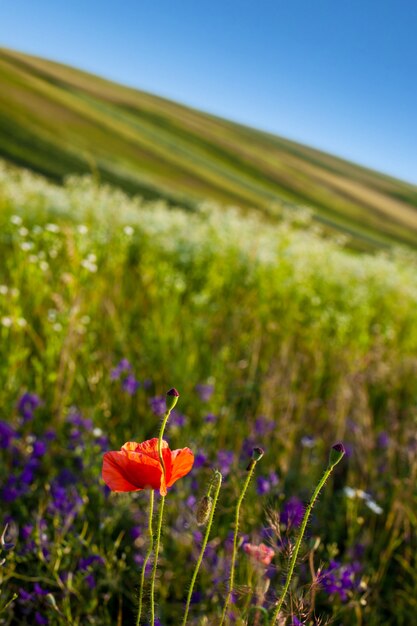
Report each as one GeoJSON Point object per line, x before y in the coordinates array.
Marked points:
{"type": "Point", "coordinates": [275, 332]}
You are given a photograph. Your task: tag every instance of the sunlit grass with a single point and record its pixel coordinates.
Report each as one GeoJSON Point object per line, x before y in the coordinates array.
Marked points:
{"type": "Point", "coordinates": [297, 342]}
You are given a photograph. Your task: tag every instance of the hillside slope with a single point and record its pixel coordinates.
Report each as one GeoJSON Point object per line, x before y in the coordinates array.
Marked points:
{"type": "Point", "coordinates": [58, 120]}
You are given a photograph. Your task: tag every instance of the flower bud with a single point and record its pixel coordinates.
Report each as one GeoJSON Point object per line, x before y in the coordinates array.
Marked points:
{"type": "Point", "coordinates": [337, 452]}
{"type": "Point", "coordinates": [5, 544]}
{"type": "Point", "coordinates": [257, 454]}
{"type": "Point", "coordinates": [203, 510]}
{"type": "Point", "coordinates": [172, 398]}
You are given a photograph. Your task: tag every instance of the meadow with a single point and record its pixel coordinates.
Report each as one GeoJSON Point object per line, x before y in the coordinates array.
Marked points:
{"type": "Point", "coordinates": [276, 336]}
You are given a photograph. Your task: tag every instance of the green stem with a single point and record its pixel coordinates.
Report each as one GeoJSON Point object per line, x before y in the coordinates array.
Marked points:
{"type": "Point", "coordinates": [148, 554]}
{"type": "Point", "coordinates": [155, 563]}
{"type": "Point", "coordinates": [219, 477]}
{"type": "Point", "coordinates": [299, 540]}
{"type": "Point", "coordinates": [160, 439]}
{"type": "Point", "coordinates": [251, 469]}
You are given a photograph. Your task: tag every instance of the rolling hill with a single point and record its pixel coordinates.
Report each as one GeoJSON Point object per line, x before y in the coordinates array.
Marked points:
{"type": "Point", "coordinates": [58, 120]}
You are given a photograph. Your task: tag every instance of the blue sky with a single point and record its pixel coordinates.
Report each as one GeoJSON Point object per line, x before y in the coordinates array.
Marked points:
{"type": "Point", "coordinates": [337, 75]}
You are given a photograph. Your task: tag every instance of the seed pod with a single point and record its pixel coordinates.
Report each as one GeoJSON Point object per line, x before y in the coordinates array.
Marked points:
{"type": "Point", "coordinates": [203, 510]}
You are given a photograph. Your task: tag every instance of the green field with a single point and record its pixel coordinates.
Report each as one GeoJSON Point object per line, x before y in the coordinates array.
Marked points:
{"type": "Point", "coordinates": [302, 342]}
{"type": "Point", "coordinates": [57, 120]}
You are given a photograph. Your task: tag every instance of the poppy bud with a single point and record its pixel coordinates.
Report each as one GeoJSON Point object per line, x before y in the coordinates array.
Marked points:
{"type": "Point", "coordinates": [4, 544]}
{"type": "Point", "coordinates": [204, 510]}
{"type": "Point", "coordinates": [257, 454]}
{"type": "Point", "coordinates": [337, 452]}
{"type": "Point", "coordinates": [50, 599]}
{"type": "Point", "coordinates": [172, 398]}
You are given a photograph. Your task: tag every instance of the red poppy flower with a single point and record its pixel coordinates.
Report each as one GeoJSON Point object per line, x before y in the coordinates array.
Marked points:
{"type": "Point", "coordinates": [137, 466]}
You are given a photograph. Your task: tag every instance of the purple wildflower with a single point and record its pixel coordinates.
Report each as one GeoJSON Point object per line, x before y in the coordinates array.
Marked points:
{"type": "Point", "coordinates": [85, 563]}
{"type": "Point", "coordinates": [76, 419]}
{"type": "Point", "coordinates": [340, 579]}
{"type": "Point", "coordinates": [210, 418]}
{"type": "Point", "coordinates": [130, 385]}
{"type": "Point", "coordinates": [26, 531]}
{"type": "Point", "coordinates": [40, 591]}
{"type": "Point", "coordinates": [25, 596]}
{"type": "Point", "coordinates": [158, 405]}
{"type": "Point", "coordinates": [122, 367]}
{"type": "Point", "coordinates": [205, 392]}
{"type": "Point", "coordinates": [263, 426]}
{"type": "Point", "coordinates": [177, 419]}
{"type": "Point", "coordinates": [7, 433]}
{"type": "Point", "coordinates": [265, 484]}
{"type": "Point", "coordinates": [39, 449]}
{"type": "Point", "coordinates": [27, 404]}
{"type": "Point", "coordinates": [135, 532]}
{"type": "Point", "coordinates": [383, 440]}
{"type": "Point", "coordinates": [292, 512]}
{"type": "Point", "coordinates": [200, 459]}
{"type": "Point", "coordinates": [91, 581]}
{"type": "Point", "coordinates": [40, 619]}
{"type": "Point", "coordinates": [224, 461]}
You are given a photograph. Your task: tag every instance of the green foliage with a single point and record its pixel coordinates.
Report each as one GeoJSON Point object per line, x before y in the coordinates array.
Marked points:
{"type": "Point", "coordinates": [285, 323]}
{"type": "Point", "coordinates": [57, 120]}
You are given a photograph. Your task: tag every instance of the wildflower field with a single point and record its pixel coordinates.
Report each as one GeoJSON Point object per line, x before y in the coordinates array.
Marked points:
{"type": "Point", "coordinates": [277, 339]}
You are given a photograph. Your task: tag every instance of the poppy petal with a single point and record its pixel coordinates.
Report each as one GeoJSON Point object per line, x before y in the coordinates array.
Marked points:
{"type": "Point", "coordinates": [182, 462]}
{"type": "Point", "coordinates": [112, 473]}
{"type": "Point", "coordinates": [142, 470]}
{"type": "Point", "coordinates": [150, 447]}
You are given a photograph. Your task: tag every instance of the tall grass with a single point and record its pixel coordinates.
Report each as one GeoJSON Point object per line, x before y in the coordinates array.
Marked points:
{"type": "Point", "coordinates": [305, 344]}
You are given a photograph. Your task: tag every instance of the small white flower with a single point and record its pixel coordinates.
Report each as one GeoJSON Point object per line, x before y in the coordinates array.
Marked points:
{"type": "Point", "coordinates": [32, 258]}
{"type": "Point", "coordinates": [44, 265]}
{"type": "Point", "coordinates": [57, 327]}
{"type": "Point", "coordinates": [22, 322]}
{"type": "Point", "coordinates": [52, 315]}
{"type": "Point", "coordinates": [97, 432]}
{"type": "Point", "coordinates": [16, 220]}
{"type": "Point", "coordinates": [6, 321]}
{"type": "Point", "coordinates": [53, 253]}
{"type": "Point", "coordinates": [14, 292]}
{"type": "Point", "coordinates": [26, 245]}
{"type": "Point", "coordinates": [89, 265]}
{"type": "Point", "coordinates": [23, 231]}
{"type": "Point", "coordinates": [128, 230]}
{"type": "Point", "coordinates": [52, 228]}
{"type": "Point", "coordinates": [3, 290]}
{"type": "Point", "coordinates": [82, 229]}
{"type": "Point", "coordinates": [371, 504]}
{"type": "Point", "coordinates": [86, 319]}
{"type": "Point", "coordinates": [349, 492]}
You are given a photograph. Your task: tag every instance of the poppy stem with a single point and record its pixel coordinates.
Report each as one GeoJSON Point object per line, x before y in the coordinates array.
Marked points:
{"type": "Point", "coordinates": [336, 455]}
{"type": "Point", "coordinates": [160, 439]}
{"type": "Point", "coordinates": [155, 562]}
{"type": "Point", "coordinates": [218, 480]}
{"type": "Point", "coordinates": [148, 554]}
{"type": "Point", "coordinates": [250, 469]}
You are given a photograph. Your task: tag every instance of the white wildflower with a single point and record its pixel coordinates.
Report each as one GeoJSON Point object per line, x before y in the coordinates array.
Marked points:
{"type": "Point", "coordinates": [52, 228]}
